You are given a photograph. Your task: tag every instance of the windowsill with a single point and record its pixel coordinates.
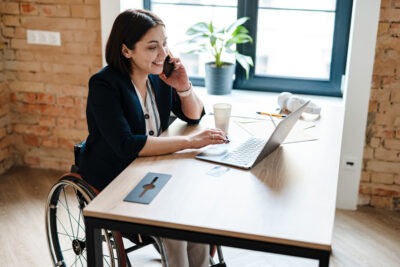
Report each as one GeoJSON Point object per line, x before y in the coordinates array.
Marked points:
{"type": "Point", "coordinates": [248, 102]}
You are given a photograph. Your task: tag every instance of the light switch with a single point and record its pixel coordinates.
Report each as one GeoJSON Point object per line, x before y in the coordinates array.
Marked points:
{"type": "Point", "coordinates": [43, 37]}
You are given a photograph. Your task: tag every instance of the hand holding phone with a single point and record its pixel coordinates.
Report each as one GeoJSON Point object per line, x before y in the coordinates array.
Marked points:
{"type": "Point", "coordinates": [168, 67]}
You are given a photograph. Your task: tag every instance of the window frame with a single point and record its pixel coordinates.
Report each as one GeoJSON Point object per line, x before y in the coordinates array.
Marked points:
{"type": "Point", "coordinates": [330, 87]}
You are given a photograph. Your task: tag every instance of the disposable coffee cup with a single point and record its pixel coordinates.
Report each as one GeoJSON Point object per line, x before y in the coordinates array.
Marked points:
{"type": "Point", "coordinates": [222, 115]}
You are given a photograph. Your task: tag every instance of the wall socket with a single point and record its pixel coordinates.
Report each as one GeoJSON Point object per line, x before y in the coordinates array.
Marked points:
{"type": "Point", "coordinates": [43, 37]}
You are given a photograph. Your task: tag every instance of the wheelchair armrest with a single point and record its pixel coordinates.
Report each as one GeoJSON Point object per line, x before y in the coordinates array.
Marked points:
{"type": "Point", "coordinates": [77, 150]}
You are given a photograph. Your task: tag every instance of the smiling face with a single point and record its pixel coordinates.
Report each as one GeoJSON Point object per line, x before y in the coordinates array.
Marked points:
{"type": "Point", "coordinates": [149, 53]}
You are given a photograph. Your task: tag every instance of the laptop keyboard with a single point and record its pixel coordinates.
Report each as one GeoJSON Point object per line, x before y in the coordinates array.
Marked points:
{"type": "Point", "coordinates": [246, 152]}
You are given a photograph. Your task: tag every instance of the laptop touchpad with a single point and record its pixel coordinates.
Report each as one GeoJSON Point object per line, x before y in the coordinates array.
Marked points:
{"type": "Point", "coordinates": [215, 150]}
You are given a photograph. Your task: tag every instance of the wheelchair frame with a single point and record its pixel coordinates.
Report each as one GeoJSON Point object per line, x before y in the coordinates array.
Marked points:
{"type": "Point", "coordinates": [67, 241]}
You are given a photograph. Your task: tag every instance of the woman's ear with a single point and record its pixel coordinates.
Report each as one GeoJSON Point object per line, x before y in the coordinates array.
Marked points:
{"type": "Point", "coordinates": [126, 52]}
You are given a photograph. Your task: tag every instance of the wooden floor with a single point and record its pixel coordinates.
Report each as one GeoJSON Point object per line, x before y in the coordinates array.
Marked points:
{"type": "Point", "coordinates": [366, 237]}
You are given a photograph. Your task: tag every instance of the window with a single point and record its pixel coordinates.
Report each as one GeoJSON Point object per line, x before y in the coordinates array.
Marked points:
{"type": "Point", "coordinates": [299, 46]}
{"type": "Point", "coordinates": [180, 15]}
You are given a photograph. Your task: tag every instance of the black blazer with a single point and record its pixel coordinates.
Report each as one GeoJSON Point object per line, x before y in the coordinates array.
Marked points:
{"type": "Point", "coordinates": [117, 129]}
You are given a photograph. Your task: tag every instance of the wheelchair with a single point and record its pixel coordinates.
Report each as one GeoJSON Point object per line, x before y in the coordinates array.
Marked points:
{"type": "Point", "coordinates": [65, 227]}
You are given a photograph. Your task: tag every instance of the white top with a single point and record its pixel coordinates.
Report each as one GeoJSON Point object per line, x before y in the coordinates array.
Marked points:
{"type": "Point", "coordinates": [150, 111]}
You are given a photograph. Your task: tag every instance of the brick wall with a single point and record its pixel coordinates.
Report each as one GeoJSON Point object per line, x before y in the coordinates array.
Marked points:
{"type": "Point", "coordinates": [43, 91]}
{"type": "Point", "coordinates": [44, 88]}
{"type": "Point", "coordinates": [6, 154]}
{"type": "Point", "coordinates": [380, 181]}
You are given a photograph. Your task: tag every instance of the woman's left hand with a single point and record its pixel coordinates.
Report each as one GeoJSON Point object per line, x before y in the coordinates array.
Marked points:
{"type": "Point", "coordinates": [179, 78]}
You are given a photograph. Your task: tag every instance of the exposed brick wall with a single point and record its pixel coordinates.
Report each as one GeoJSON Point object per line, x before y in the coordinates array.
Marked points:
{"type": "Point", "coordinates": [46, 86]}
{"type": "Point", "coordinates": [6, 151]}
{"type": "Point", "coordinates": [380, 182]}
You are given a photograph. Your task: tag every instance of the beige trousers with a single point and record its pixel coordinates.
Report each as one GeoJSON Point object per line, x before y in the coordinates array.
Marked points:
{"type": "Point", "coordinates": [186, 254]}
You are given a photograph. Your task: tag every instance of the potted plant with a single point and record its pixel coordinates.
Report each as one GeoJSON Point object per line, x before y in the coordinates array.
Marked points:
{"type": "Point", "coordinates": [219, 42]}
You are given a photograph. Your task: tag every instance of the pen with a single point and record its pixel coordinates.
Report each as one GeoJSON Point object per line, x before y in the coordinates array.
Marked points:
{"type": "Point", "coordinates": [271, 114]}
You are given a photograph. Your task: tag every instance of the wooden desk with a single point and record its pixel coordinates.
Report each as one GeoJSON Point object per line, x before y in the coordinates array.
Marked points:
{"type": "Point", "coordinates": [285, 204]}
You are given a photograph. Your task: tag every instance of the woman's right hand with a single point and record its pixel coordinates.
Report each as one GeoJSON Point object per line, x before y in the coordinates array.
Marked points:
{"type": "Point", "coordinates": [207, 137]}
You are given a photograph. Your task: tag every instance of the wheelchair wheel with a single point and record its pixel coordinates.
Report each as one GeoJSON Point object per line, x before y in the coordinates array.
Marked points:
{"type": "Point", "coordinates": [65, 225]}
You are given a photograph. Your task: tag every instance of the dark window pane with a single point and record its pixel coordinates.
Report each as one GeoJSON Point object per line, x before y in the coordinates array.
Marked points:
{"type": "Point", "coordinates": [328, 5]}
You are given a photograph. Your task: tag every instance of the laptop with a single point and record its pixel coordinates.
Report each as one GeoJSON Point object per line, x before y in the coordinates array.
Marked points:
{"type": "Point", "coordinates": [250, 152]}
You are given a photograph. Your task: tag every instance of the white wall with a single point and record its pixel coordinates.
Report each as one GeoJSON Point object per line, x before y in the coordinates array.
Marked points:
{"type": "Point", "coordinates": [357, 89]}
{"type": "Point", "coordinates": [357, 86]}
{"type": "Point", "coordinates": [109, 10]}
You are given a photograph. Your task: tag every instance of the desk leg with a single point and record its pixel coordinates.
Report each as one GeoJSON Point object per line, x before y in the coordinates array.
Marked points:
{"type": "Point", "coordinates": [324, 260]}
{"type": "Point", "coordinates": [93, 245]}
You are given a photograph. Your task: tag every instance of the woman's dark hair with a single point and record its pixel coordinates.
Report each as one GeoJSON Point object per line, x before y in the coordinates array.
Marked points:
{"type": "Point", "coordinates": [128, 28]}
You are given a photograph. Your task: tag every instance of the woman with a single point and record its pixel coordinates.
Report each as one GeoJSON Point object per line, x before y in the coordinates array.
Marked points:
{"type": "Point", "coordinates": [129, 105]}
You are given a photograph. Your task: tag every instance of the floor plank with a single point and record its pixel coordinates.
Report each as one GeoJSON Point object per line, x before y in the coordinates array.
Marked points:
{"type": "Point", "coordinates": [367, 237]}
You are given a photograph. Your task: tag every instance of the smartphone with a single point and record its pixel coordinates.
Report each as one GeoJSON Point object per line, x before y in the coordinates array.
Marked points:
{"type": "Point", "coordinates": [168, 67]}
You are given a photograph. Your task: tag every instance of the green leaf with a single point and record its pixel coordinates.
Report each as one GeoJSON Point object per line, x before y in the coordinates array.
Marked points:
{"type": "Point", "coordinates": [240, 29]}
{"type": "Point", "coordinates": [240, 39]}
{"type": "Point", "coordinates": [245, 62]}
{"type": "Point", "coordinates": [205, 37]}
{"type": "Point", "coordinates": [197, 28]}
{"type": "Point", "coordinates": [210, 27]}
{"type": "Point", "coordinates": [237, 23]}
